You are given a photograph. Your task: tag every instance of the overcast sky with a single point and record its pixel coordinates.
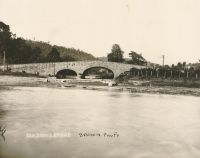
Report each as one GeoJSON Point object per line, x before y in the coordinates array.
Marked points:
{"type": "Point", "coordinates": [150, 27]}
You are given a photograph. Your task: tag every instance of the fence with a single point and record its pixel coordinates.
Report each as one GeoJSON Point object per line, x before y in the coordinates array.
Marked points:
{"type": "Point", "coordinates": [149, 73]}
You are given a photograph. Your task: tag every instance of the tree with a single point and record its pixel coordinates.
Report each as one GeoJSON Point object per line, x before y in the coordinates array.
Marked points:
{"type": "Point", "coordinates": [179, 66]}
{"type": "Point", "coordinates": [137, 58]}
{"type": "Point", "coordinates": [54, 55]}
{"type": "Point", "coordinates": [35, 55]}
{"type": "Point", "coordinates": [19, 52]}
{"type": "Point", "coordinates": [116, 54]}
{"type": "Point", "coordinates": [184, 65]}
{"type": "Point", "coordinates": [5, 37]}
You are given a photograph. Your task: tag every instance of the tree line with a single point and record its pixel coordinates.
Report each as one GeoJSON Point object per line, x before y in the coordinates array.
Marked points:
{"type": "Point", "coordinates": [116, 55]}
{"type": "Point", "coordinates": [181, 70]}
{"type": "Point", "coordinates": [20, 51]}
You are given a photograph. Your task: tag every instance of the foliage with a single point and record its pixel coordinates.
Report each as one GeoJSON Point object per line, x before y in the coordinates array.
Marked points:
{"type": "Point", "coordinates": [54, 55]}
{"type": "Point", "coordinates": [5, 37]}
{"type": "Point", "coordinates": [66, 54]}
{"type": "Point", "coordinates": [116, 54]}
{"type": "Point", "coordinates": [19, 50]}
{"type": "Point", "coordinates": [137, 58]}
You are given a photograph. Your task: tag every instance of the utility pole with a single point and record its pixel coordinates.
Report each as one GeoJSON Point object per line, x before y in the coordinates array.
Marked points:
{"type": "Point", "coordinates": [163, 57]}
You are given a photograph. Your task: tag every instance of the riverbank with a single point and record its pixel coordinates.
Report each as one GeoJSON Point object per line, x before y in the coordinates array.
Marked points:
{"type": "Point", "coordinates": [97, 84]}
{"type": "Point", "coordinates": [163, 82]}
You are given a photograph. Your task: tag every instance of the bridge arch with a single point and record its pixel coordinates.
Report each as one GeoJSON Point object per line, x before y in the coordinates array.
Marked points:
{"type": "Point", "coordinates": [98, 72]}
{"type": "Point", "coordinates": [66, 73]}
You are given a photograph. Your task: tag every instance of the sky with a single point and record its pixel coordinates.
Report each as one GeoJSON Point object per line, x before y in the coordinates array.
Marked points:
{"type": "Point", "coordinates": [150, 27]}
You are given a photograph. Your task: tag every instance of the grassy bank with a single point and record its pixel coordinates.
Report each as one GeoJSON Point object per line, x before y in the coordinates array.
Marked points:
{"type": "Point", "coordinates": [18, 74]}
{"type": "Point", "coordinates": [132, 87]}
{"type": "Point", "coordinates": [160, 82]}
{"type": "Point", "coordinates": [174, 83]}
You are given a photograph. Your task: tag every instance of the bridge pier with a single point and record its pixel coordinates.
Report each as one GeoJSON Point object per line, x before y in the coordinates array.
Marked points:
{"type": "Point", "coordinates": [78, 76]}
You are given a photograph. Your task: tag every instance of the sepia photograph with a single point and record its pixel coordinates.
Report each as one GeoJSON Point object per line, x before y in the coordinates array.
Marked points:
{"type": "Point", "coordinates": [99, 78]}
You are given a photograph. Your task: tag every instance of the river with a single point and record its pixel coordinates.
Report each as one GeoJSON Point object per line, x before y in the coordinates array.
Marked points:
{"type": "Point", "coordinates": [46, 122]}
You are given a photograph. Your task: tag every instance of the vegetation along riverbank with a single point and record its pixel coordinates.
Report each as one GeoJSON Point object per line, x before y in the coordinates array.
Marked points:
{"type": "Point", "coordinates": [98, 84]}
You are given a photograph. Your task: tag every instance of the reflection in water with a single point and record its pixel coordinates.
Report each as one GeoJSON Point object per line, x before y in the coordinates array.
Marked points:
{"type": "Point", "coordinates": [153, 126]}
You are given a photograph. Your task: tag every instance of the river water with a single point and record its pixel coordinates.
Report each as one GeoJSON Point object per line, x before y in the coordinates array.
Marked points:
{"type": "Point", "coordinates": [50, 123]}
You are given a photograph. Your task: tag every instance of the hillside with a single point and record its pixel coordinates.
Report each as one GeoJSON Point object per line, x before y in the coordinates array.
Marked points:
{"type": "Point", "coordinates": [66, 54]}
{"type": "Point", "coordinates": [20, 51]}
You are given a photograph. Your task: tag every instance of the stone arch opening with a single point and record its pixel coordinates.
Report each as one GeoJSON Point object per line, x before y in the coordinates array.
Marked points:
{"type": "Point", "coordinates": [66, 74]}
{"type": "Point", "coordinates": [98, 73]}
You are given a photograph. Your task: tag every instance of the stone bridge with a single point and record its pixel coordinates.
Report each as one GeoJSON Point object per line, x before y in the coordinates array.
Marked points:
{"type": "Point", "coordinates": [46, 69]}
